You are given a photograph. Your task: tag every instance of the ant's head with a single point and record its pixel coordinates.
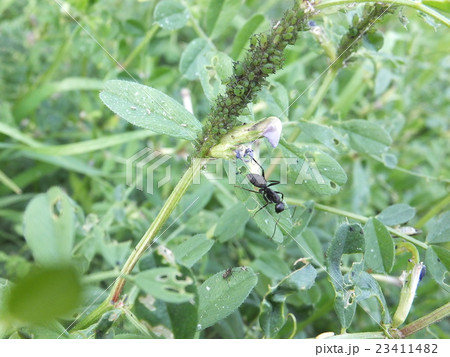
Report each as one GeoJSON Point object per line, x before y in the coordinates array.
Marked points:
{"type": "Point", "coordinates": [279, 207]}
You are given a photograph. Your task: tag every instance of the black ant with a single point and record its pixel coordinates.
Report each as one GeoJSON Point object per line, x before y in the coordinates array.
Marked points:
{"type": "Point", "coordinates": [269, 195]}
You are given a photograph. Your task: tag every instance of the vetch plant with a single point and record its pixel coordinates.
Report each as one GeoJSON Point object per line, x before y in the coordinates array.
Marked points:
{"type": "Point", "coordinates": [313, 91]}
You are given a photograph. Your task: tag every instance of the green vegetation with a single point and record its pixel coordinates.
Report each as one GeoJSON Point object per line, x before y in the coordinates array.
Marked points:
{"type": "Point", "coordinates": [117, 220]}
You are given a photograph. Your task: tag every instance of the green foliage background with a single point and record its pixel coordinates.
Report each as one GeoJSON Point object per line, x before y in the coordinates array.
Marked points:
{"type": "Point", "coordinates": [65, 152]}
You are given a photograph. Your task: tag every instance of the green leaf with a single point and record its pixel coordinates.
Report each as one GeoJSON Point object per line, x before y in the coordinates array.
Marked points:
{"type": "Point", "coordinates": [219, 15]}
{"type": "Point", "coordinates": [367, 137]}
{"type": "Point", "coordinates": [349, 239]}
{"type": "Point", "coordinates": [380, 248]}
{"type": "Point", "coordinates": [300, 279]}
{"type": "Point", "coordinates": [49, 227]}
{"type": "Point", "coordinates": [437, 260]}
{"type": "Point", "coordinates": [235, 217]}
{"type": "Point", "coordinates": [243, 35]}
{"type": "Point", "coordinates": [214, 68]}
{"type": "Point", "coordinates": [167, 284]}
{"type": "Point", "coordinates": [440, 229]}
{"type": "Point", "coordinates": [327, 136]}
{"type": "Point", "coordinates": [272, 316]}
{"type": "Point", "coordinates": [310, 246]}
{"type": "Point", "coordinates": [44, 294]}
{"type": "Point", "coordinates": [191, 250]}
{"type": "Point", "coordinates": [313, 169]}
{"type": "Point", "coordinates": [272, 266]}
{"type": "Point", "coordinates": [171, 15]}
{"type": "Point", "coordinates": [220, 296]}
{"type": "Point", "coordinates": [150, 109]}
{"type": "Point", "coordinates": [194, 54]}
{"type": "Point", "coordinates": [396, 214]}
{"type": "Point", "coordinates": [301, 218]}
{"type": "Point", "coordinates": [367, 287]}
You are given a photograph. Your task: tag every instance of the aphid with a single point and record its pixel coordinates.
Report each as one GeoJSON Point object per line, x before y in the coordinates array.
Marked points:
{"type": "Point", "coordinates": [133, 108]}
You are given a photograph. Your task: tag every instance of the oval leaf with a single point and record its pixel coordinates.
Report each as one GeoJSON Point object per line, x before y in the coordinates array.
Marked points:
{"type": "Point", "coordinates": [220, 296]}
{"type": "Point", "coordinates": [314, 169]}
{"type": "Point", "coordinates": [367, 137]}
{"type": "Point", "coordinates": [437, 260]}
{"type": "Point", "coordinates": [191, 250]}
{"type": "Point", "coordinates": [380, 248]}
{"type": "Point", "coordinates": [440, 230]}
{"type": "Point", "coordinates": [171, 15]}
{"type": "Point", "coordinates": [44, 294]}
{"type": "Point", "coordinates": [235, 217]}
{"type": "Point", "coordinates": [150, 109]}
{"type": "Point", "coordinates": [194, 54]}
{"type": "Point", "coordinates": [49, 227]}
{"type": "Point", "coordinates": [396, 214]}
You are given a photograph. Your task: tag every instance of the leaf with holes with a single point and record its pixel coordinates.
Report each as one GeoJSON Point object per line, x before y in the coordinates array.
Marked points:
{"type": "Point", "coordinates": [49, 226]}
{"type": "Point", "coordinates": [220, 296]}
{"type": "Point", "coordinates": [325, 135]}
{"type": "Point", "coordinates": [166, 284]}
{"type": "Point", "coordinates": [367, 137]}
{"type": "Point", "coordinates": [313, 169]}
{"type": "Point", "coordinates": [349, 239]}
{"type": "Point", "coordinates": [150, 109]}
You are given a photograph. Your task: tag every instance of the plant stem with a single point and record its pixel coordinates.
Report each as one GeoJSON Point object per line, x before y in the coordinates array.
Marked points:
{"type": "Point", "coordinates": [410, 3]}
{"type": "Point", "coordinates": [159, 221]}
{"type": "Point", "coordinates": [433, 212]}
{"type": "Point", "coordinates": [148, 36]}
{"type": "Point", "coordinates": [423, 322]}
{"type": "Point", "coordinates": [357, 217]}
{"type": "Point", "coordinates": [145, 242]}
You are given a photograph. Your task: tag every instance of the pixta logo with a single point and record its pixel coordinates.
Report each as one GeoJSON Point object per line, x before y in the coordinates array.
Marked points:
{"type": "Point", "coordinates": [141, 167]}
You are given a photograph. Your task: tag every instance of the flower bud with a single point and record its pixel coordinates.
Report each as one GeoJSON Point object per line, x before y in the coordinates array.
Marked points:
{"type": "Point", "coordinates": [270, 128]}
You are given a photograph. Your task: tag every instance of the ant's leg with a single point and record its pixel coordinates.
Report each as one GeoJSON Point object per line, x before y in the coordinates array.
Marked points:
{"type": "Point", "coordinates": [273, 183]}
{"type": "Point", "coordinates": [261, 208]}
{"type": "Point", "coordinates": [246, 189]}
{"type": "Point", "coordinates": [275, 229]}
{"type": "Point", "coordinates": [262, 170]}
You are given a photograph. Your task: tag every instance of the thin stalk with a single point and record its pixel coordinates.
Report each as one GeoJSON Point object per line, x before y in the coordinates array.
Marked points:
{"type": "Point", "coordinates": [423, 322]}
{"type": "Point", "coordinates": [144, 244]}
{"type": "Point", "coordinates": [155, 227]}
{"type": "Point", "coordinates": [410, 3]}
{"type": "Point", "coordinates": [148, 36]}
{"type": "Point", "coordinates": [357, 217]}
{"type": "Point", "coordinates": [433, 212]}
